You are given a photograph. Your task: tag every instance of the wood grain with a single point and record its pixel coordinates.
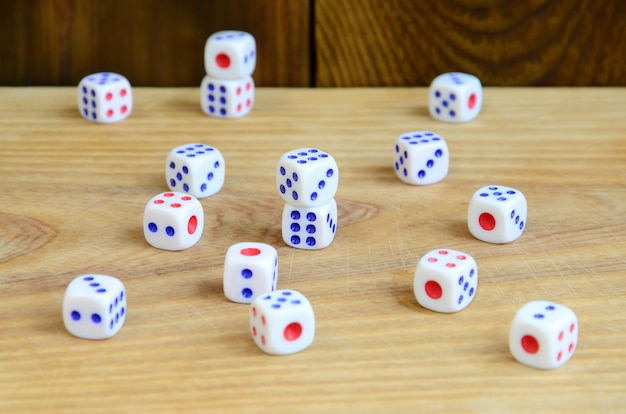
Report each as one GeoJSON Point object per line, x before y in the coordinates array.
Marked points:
{"type": "Point", "coordinates": [73, 194]}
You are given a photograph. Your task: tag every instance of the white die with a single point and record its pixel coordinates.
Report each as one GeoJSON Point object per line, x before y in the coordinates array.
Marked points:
{"type": "Point", "coordinates": [311, 228]}
{"type": "Point", "coordinates": [222, 98]}
{"type": "Point", "coordinates": [173, 221]}
{"type": "Point", "coordinates": [445, 280]}
{"type": "Point", "coordinates": [94, 306]}
{"type": "Point", "coordinates": [196, 169]}
{"type": "Point", "coordinates": [307, 177]}
{"type": "Point", "coordinates": [455, 97]}
{"type": "Point", "coordinates": [497, 214]}
{"type": "Point", "coordinates": [543, 334]}
{"type": "Point", "coordinates": [250, 269]}
{"type": "Point", "coordinates": [105, 97]}
{"type": "Point", "coordinates": [421, 158]}
{"type": "Point", "coordinates": [282, 322]}
{"type": "Point", "coordinates": [230, 54]}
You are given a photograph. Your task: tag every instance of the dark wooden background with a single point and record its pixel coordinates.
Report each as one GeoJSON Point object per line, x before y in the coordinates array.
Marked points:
{"type": "Point", "coordinates": [324, 43]}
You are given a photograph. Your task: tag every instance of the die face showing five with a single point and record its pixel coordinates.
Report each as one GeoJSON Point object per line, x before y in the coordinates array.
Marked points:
{"type": "Point", "coordinates": [94, 306]}
{"type": "Point", "coordinates": [421, 158]}
{"type": "Point", "coordinates": [307, 177]}
{"type": "Point", "coordinates": [196, 169]}
{"type": "Point", "coordinates": [543, 334]}
{"type": "Point", "coordinates": [311, 228]}
{"type": "Point", "coordinates": [282, 322]}
{"type": "Point", "coordinates": [223, 98]}
{"type": "Point", "coordinates": [105, 97]}
{"type": "Point", "coordinates": [250, 269]}
{"type": "Point", "coordinates": [455, 97]}
{"type": "Point", "coordinates": [173, 221]}
{"type": "Point", "coordinates": [230, 54]}
{"type": "Point", "coordinates": [497, 214]}
{"type": "Point", "coordinates": [445, 280]}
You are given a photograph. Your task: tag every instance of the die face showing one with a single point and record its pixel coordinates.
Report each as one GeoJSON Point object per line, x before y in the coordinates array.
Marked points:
{"type": "Point", "coordinates": [250, 269]}
{"type": "Point", "coordinates": [445, 280]}
{"type": "Point", "coordinates": [94, 306]}
{"type": "Point", "coordinates": [497, 214]}
{"type": "Point", "coordinates": [311, 228]}
{"type": "Point", "coordinates": [222, 98]}
{"type": "Point", "coordinates": [282, 322]}
{"type": "Point", "coordinates": [455, 97]}
{"type": "Point", "coordinates": [421, 158]}
{"type": "Point", "coordinates": [173, 221]}
{"type": "Point", "coordinates": [195, 169]}
{"type": "Point", "coordinates": [230, 54]}
{"type": "Point", "coordinates": [543, 334]}
{"type": "Point", "coordinates": [307, 177]}
{"type": "Point", "coordinates": [105, 97]}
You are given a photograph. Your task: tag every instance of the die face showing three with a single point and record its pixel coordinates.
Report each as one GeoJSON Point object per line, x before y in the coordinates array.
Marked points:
{"type": "Point", "coordinates": [105, 97]}
{"type": "Point", "coordinates": [497, 214]}
{"type": "Point", "coordinates": [230, 54]}
{"type": "Point", "coordinates": [445, 280]}
{"type": "Point", "coordinates": [282, 322]}
{"type": "Point", "coordinates": [195, 169]}
{"type": "Point", "coordinates": [310, 228]}
{"type": "Point", "coordinates": [224, 98]}
{"type": "Point", "coordinates": [421, 158]}
{"type": "Point", "coordinates": [250, 270]}
{"type": "Point", "coordinates": [173, 221]}
{"type": "Point", "coordinates": [455, 97]}
{"type": "Point", "coordinates": [543, 334]}
{"type": "Point", "coordinates": [94, 306]}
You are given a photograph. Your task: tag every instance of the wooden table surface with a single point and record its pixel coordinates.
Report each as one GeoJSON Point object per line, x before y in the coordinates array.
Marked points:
{"type": "Point", "coordinates": [73, 195]}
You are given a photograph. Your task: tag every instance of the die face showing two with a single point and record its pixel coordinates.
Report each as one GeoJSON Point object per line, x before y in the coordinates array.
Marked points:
{"type": "Point", "coordinates": [94, 306]}
{"type": "Point", "coordinates": [543, 334]}
{"type": "Point", "coordinates": [250, 269]}
{"type": "Point", "coordinates": [307, 177]}
{"type": "Point", "coordinates": [173, 221]}
{"type": "Point", "coordinates": [497, 214]}
{"type": "Point", "coordinates": [223, 98]}
{"type": "Point", "coordinates": [445, 280]}
{"type": "Point", "coordinates": [455, 97]}
{"type": "Point", "coordinates": [311, 228]}
{"type": "Point", "coordinates": [105, 97]}
{"type": "Point", "coordinates": [196, 169]}
{"type": "Point", "coordinates": [230, 54]}
{"type": "Point", "coordinates": [421, 158]}
{"type": "Point", "coordinates": [282, 322]}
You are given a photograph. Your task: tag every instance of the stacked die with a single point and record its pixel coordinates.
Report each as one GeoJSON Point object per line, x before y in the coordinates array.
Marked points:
{"type": "Point", "coordinates": [227, 90]}
{"type": "Point", "coordinates": [307, 180]}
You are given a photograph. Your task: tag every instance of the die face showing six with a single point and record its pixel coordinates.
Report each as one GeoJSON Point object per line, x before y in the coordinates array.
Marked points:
{"type": "Point", "coordinates": [250, 269]}
{"type": "Point", "coordinates": [94, 306]}
{"type": "Point", "coordinates": [445, 280]}
{"type": "Point", "coordinates": [230, 54]}
{"type": "Point", "coordinates": [195, 169]}
{"type": "Point", "coordinates": [282, 322]}
{"type": "Point", "coordinates": [307, 177]}
{"type": "Point", "coordinates": [173, 221]}
{"type": "Point", "coordinates": [455, 97]}
{"type": "Point", "coordinates": [311, 228]}
{"type": "Point", "coordinates": [543, 334]}
{"type": "Point", "coordinates": [222, 98]}
{"type": "Point", "coordinates": [497, 214]}
{"type": "Point", "coordinates": [105, 97]}
{"type": "Point", "coordinates": [421, 158]}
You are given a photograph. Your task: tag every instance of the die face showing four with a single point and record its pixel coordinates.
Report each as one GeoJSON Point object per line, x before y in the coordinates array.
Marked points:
{"type": "Point", "coordinates": [310, 228]}
{"type": "Point", "coordinates": [497, 214]}
{"type": "Point", "coordinates": [250, 269]}
{"type": "Point", "coordinates": [543, 334]}
{"type": "Point", "coordinates": [445, 280]}
{"type": "Point", "coordinates": [421, 158]}
{"type": "Point", "coordinates": [196, 169]}
{"type": "Point", "coordinates": [230, 54]}
{"type": "Point", "coordinates": [307, 177]}
{"type": "Point", "coordinates": [455, 97]}
{"type": "Point", "coordinates": [173, 221]}
{"type": "Point", "coordinates": [282, 322]}
{"type": "Point", "coordinates": [94, 306]}
{"type": "Point", "coordinates": [223, 98]}
{"type": "Point", "coordinates": [105, 97]}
